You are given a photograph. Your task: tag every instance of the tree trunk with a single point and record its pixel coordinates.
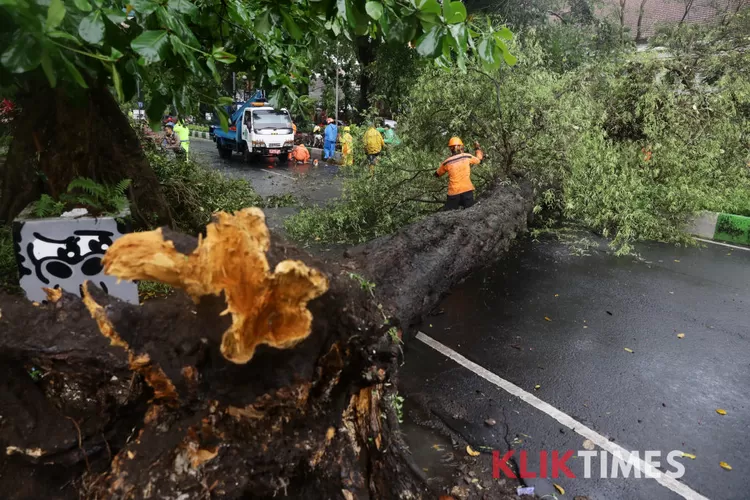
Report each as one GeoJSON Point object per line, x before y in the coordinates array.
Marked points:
{"type": "Point", "coordinates": [641, 10]}
{"type": "Point", "coordinates": [160, 413]}
{"type": "Point", "coordinates": [366, 53]}
{"type": "Point", "coordinates": [60, 134]}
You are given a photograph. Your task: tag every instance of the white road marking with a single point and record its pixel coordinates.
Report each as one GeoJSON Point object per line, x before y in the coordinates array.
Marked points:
{"type": "Point", "coordinates": [724, 244]}
{"type": "Point", "coordinates": [266, 169]}
{"type": "Point", "coordinates": [680, 488]}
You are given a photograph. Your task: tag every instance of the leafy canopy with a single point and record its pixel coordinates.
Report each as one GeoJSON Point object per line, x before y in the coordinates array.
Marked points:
{"type": "Point", "coordinates": [176, 49]}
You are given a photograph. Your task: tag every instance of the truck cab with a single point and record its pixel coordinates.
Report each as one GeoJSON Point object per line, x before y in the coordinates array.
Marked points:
{"type": "Point", "coordinates": [267, 131]}
{"type": "Point", "coordinates": [256, 129]}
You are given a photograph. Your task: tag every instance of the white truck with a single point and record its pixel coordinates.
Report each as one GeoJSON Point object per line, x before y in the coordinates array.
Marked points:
{"type": "Point", "coordinates": [256, 129]}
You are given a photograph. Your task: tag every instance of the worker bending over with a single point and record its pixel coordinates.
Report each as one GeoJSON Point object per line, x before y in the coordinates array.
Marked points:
{"type": "Point", "coordinates": [300, 154]}
{"type": "Point", "coordinates": [458, 168]}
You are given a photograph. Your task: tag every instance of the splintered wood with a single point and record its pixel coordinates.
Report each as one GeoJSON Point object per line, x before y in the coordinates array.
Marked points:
{"type": "Point", "coordinates": [266, 307]}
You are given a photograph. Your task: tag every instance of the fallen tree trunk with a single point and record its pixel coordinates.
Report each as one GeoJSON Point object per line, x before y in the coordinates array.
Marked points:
{"type": "Point", "coordinates": [162, 412]}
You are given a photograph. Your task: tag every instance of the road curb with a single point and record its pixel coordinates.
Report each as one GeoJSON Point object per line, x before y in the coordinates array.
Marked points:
{"type": "Point", "coordinates": [719, 226]}
{"type": "Point", "coordinates": [199, 134]}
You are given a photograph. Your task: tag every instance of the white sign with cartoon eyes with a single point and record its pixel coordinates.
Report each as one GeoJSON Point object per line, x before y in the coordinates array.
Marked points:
{"type": "Point", "coordinates": [63, 253]}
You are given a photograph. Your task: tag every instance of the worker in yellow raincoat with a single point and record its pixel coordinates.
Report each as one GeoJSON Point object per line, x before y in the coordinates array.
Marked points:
{"type": "Point", "coordinates": [347, 147]}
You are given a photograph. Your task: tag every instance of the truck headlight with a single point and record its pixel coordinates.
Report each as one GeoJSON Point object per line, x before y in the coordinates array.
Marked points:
{"type": "Point", "coordinates": [258, 144]}
{"type": "Point", "coordinates": [288, 143]}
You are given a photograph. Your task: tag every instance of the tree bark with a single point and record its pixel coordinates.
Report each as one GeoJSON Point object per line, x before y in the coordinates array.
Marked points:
{"type": "Point", "coordinates": [161, 413]}
{"type": "Point", "coordinates": [366, 53]}
{"type": "Point", "coordinates": [60, 134]}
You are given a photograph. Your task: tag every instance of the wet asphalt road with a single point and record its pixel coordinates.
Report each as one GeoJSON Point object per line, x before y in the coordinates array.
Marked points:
{"type": "Point", "coordinates": [311, 186]}
{"type": "Point", "coordinates": [663, 396]}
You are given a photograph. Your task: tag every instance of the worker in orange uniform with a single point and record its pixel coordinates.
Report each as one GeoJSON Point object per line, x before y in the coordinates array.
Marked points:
{"type": "Point", "coordinates": [300, 154]}
{"type": "Point", "coordinates": [458, 168]}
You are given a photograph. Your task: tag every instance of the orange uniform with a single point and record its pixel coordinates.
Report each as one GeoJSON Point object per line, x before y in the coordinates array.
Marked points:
{"type": "Point", "coordinates": [458, 168]}
{"type": "Point", "coordinates": [300, 154]}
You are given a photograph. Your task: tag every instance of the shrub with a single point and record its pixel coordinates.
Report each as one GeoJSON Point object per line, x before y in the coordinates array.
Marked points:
{"type": "Point", "coordinates": [8, 269]}
{"type": "Point", "coordinates": [194, 192]}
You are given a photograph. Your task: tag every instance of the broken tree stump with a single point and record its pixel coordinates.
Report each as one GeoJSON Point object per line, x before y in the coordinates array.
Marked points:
{"type": "Point", "coordinates": [252, 382]}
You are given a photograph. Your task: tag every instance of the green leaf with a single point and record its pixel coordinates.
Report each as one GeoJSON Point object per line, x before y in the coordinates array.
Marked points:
{"type": "Point", "coordinates": [223, 117]}
{"type": "Point", "coordinates": [114, 15]}
{"type": "Point", "coordinates": [429, 43]}
{"type": "Point", "coordinates": [145, 7]}
{"type": "Point", "coordinates": [223, 56]}
{"type": "Point", "coordinates": [291, 26]}
{"type": "Point", "coordinates": [183, 7]}
{"type": "Point", "coordinates": [55, 14]}
{"type": "Point", "coordinates": [61, 35]}
{"type": "Point", "coordinates": [225, 101]}
{"type": "Point", "coordinates": [263, 23]}
{"type": "Point", "coordinates": [509, 58]}
{"type": "Point", "coordinates": [454, 12]}
{"type": "Point", "coordinates": [91, 28]}
{"type": "Point", "coordinates": [156, 107]}
{"type": "Point", "coordinates": [504, 33]}
{"type": "Point", "coordinates": [486, 52]}
{"type": "Point", "coordinates": [74, 72]}
{"type": "Point", "coordinates": [212, 66]}
{"type": "Point", "coordinates": [429, 6]}
{"type": "Point", "coordinates": [117, 81]}
{"type": "Point", "coordinates": [460, 37]}
{"type": "Point", "coordinates": [49, 71]}
{"type": "Point", "coordinates": [22, 54]}
{"type": "Point", "coordinates": [151, 45]}
{"type": "Point", "coordinates": [82, 5]}
{"type": "Point", "coordinates": [375, 10]}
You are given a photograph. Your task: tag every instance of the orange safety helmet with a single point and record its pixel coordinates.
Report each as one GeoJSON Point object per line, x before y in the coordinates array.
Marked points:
{"type": "Point", "coordinates": [455, 141]}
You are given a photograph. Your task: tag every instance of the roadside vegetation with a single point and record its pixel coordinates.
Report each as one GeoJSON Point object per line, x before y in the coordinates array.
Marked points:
{"type": "Point", "coordinates": [627, 143]}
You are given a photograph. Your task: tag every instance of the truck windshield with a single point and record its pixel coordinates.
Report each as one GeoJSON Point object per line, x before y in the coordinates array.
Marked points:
{"type": "Point", "coordinates": [271, 118]}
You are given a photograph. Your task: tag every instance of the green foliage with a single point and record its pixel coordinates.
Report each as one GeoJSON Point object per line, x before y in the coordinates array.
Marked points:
{"type": "Point", "coordinates": [194, 192]}
{"type": "Point", "coordinates": [397, 402]}
{"type": "Point", "coordinates": [175, 49]}
{"type": "Point", "coordinates": [629, 144]}
{"type": "Point", "coordinates": [8, 268]}
{"type": "Point", "coordinates": [86, 193]}
{"type": "Point", "coordinates": [372, 206]}
{"type": "Point", "coordinates": [153, 289]}
{"type": "Point", "coordinates": [280, 200]}
{"type": "Point", "coordinates": [366, 285]}
{"type": "Point", "coordinates": [48, 207]}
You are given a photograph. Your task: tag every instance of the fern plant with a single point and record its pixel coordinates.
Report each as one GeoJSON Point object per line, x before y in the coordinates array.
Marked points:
{"type": "Point", "coordinates": [86, 193]}
{"type": "Point", "coordinates": [48, 207]}
{"type": "Point", "coordinates": [97, 198]}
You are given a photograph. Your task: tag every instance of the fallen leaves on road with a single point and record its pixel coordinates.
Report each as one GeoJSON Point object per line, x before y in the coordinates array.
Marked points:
{"type": "Point", "coordinates": [721, 411]}
{"type": "Point", "coordinates": [628, 349]}
{"type": "Point", "coordinates": [559, 488]}
{"type": "Point", "coordinates": [471, 452]}
{"type": "Point", "coordinates": [557, 295]}
{"type": "Point", "coordinates": [725, 465]}
{"type": "Point", "coordinates": [547, 319]}
{"type": "Point", "coordinates": [537, 387]}
{"type": "Point", "coordinates": [688, 455]}
{"type": "Point", "coordinates": [588, 445]}
{"type": "Point", "coordinates": [677, 260]}
{"type": "Point", "coordinates": [680, 335]}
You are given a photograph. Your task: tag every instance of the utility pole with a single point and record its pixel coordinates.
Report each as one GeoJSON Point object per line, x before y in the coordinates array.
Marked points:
{"type": "Point", "coordinates": [234, 87]}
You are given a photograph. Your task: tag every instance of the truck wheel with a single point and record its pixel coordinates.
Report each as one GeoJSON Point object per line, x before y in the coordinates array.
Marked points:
{"type": "Point", "coordinates": [225, 153]}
